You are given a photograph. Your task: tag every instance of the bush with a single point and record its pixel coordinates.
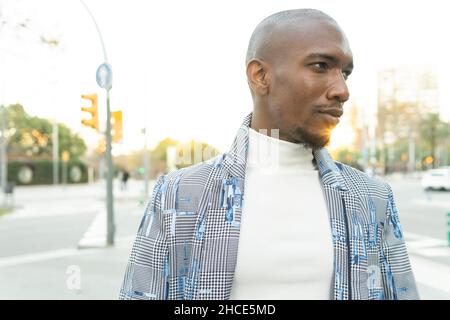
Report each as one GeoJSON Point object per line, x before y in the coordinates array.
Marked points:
{"type": "Point", "coordinates": [41, 172]}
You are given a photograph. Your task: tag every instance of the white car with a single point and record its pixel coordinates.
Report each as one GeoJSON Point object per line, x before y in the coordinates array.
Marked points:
{"type": "Point", "coordinates": [437, 179]}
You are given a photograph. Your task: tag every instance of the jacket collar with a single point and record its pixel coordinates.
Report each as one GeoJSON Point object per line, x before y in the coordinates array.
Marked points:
{"type": "Point", "coordinates": [235, 159]}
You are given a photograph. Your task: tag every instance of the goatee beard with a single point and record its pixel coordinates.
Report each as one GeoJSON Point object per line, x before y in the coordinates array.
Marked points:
{"type": "Point", "coordinates": [310, 140]}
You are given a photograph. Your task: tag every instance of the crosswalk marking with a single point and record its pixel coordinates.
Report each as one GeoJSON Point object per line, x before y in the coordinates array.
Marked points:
{"type": "Point", "coordinates": [426, 246]}
{"type": "Point", "coordinates": [55, 254]}
{"type": "Point", "coordinates": [433, 203]}
{"type": "Point", "coordinates": [433, 274]}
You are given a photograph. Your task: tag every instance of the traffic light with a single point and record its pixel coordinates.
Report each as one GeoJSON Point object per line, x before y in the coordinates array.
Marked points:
{"type": "Point", "coordinates": [101, 147]}
{"type": "Point", "coordinates": [93, 110]}
{"type": "Point", "coordinates": [429, 160]}
{"type": "Point", "coordinates": [116, 126]}
{"type": "Point", "coordinates": [65, 156]}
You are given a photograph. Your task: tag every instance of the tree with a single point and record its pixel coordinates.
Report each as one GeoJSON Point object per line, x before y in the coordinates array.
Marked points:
{"type": "Point", "coordinates": [433, 132]}
{"type": "Point", "coordinates": [159, 153]}
{"type": "Point", "coordinates": [32, 136]}
{"type": "Point", "coordinates": [194, 152]}
{"type": "Point", "coordinates": [395, 122]}
{"type": "Point", "coordinates": [188, 154]}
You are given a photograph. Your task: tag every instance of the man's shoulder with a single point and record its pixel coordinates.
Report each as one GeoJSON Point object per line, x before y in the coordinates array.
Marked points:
{"type": "Point", "coordinates": [357, 178]}
{"type": "Point", "coordinates": [195, 174]}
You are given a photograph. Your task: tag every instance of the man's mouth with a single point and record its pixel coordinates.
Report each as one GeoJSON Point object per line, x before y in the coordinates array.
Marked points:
{"type": "Point", "coordinates": [335, 112]}
{"type": "Point", "coordinates": [331, 114]}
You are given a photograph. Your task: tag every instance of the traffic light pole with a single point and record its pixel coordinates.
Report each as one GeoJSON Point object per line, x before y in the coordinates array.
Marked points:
{"type": "Point", "coordinates": [98, 30]}
{"type": "Point", "coordinates": [109, 176]}
{"type": "Point", "coordinates": [108, 155]}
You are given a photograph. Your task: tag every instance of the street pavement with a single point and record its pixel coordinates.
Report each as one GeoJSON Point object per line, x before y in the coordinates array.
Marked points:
{"type": "Point", "coordinates": [40, 259]}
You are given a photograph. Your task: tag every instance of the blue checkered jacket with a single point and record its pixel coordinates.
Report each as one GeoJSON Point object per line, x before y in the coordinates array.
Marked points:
{"type": "Point", "coordinates": [186, 245]}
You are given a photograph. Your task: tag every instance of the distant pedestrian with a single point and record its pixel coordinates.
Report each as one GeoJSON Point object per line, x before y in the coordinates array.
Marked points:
{"type": "Point", "coordinates": [124, 179]}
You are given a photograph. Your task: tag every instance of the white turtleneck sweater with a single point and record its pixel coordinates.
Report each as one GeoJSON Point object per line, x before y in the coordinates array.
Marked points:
{"type": "Point", "coordinates": [285, 248]}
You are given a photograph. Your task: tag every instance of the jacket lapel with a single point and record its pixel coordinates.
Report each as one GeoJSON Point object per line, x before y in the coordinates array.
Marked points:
{"type": "Point", "coordinates": [338, 199]}
{"type": "Point", "coordinates": [235, 160]}
{"type": "Point", "coordinates": [354, 216]}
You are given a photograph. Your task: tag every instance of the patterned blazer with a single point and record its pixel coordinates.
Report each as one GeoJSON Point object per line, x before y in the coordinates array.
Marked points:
{"type": "Point", "coordinates": [186, 245]}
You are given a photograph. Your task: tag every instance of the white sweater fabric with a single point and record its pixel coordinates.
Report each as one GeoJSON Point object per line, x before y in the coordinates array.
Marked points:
{"type": "Point", "coordinates": [285, 248]}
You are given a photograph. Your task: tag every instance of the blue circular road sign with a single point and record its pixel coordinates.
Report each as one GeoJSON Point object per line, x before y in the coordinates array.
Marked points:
{"type": "Point", "coordinates": [104, 76]}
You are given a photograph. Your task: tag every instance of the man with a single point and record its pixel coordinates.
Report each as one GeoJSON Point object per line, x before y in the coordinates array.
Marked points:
{"type": "Point", "coordinates": [124, 179]}
{"type": "Point", "coordinates": [310, 227]}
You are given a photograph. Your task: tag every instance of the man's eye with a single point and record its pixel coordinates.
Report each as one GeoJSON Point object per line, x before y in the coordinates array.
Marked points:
{"type": "Point", "coordinates": [321, 66]}
{"type": "Point", "coordinates": [346, 74]}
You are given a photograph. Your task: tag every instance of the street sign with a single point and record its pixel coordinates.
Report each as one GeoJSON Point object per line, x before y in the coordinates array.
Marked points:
{"type": "Point", "coordinates": [104, 76]}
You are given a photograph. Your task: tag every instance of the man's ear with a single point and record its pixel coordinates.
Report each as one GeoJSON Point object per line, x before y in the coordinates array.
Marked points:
{"type": "Point", "coordinates": [257, 77]}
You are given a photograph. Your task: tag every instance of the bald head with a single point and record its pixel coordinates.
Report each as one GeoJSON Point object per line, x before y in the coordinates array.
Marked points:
{"type": "Point", "coordinates": [265, 40]}
{"type": "Point", "coordinates": [298, 62]}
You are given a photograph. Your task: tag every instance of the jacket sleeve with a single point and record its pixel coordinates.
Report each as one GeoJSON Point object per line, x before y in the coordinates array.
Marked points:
{"type": "Point", "coordinates": [399, 282]}
{"type": "Point", "coordinates": [146, 272]}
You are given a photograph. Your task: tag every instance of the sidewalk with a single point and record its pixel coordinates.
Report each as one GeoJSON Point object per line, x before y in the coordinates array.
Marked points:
{"type": "Point", "coordinates": [33, 201]}
{"type": "Point", "coordinates": [52, 274]}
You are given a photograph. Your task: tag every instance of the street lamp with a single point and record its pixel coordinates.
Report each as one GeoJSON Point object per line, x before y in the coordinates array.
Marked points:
{"type": "Point", "coordinates": [104, 80]}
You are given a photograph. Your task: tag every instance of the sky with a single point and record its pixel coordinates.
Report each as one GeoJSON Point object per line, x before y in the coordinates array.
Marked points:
{"type": "Point", "coordinates": [178, 66]}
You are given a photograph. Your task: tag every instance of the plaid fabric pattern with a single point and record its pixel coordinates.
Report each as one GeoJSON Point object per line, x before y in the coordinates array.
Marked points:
{"type": "Point", "coordinates": [186, 245]}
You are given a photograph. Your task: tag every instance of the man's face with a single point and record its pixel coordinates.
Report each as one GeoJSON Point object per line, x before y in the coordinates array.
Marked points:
{"type": "Point", "coordinates": [307, 82]}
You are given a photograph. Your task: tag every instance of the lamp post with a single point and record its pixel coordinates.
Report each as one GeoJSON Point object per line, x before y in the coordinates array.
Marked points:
{"type": "Point", "coordinates": [104, 80]}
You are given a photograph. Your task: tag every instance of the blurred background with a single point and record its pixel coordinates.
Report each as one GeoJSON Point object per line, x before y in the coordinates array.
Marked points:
{"type": "Point", "coordinates": [173, 79]}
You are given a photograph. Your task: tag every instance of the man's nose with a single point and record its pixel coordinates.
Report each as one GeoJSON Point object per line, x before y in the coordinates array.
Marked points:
{"type": "Point", "coordinates": [338, 89]}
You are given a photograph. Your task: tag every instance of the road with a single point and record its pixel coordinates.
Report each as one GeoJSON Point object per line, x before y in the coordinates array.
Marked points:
{"type": "Point", "coordinates": [423, 216]}
{"type": "Point", "coordinates": [50, 218]}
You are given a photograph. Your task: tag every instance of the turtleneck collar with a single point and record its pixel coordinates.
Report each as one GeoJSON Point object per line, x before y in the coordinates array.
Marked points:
{"type": "Point", "coordinates": [270, 152]}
